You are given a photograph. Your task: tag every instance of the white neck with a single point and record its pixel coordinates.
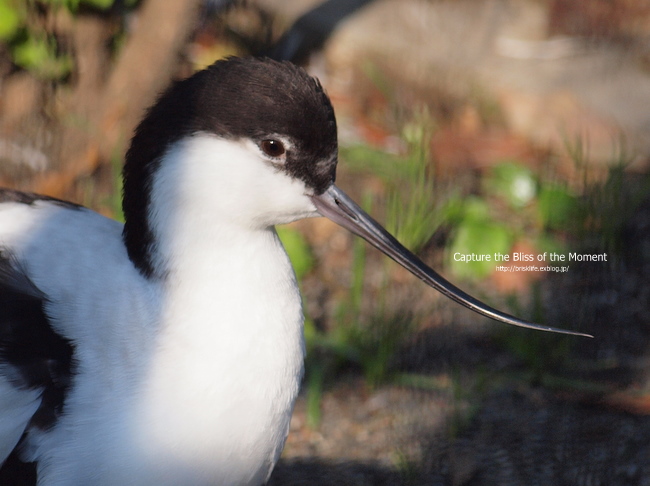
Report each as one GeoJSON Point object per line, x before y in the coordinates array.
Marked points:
{"type": "Point", "coordinates": [229, 357]}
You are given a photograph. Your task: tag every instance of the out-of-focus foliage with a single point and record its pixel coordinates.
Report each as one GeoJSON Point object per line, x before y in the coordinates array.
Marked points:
{"type": "Point", "coordinates": [38, 54]}
{"type": "Point", "coordinates": [478, 233]}
{"type": "Point", "coordinates": [298, 249]}
{"type": "Point", "coordinates": [556, 206]}
{"type": "Point", "coordinates": [513, 182]}
{"type": "Point", "coordinates": [415, 208]}
{"type": "Point", "coordinates": [10, 19]}
{"type": "Point", "coordinates": [73, 5]}
{"type": "Point", "coordinates": [514, 204]}
{"type": "Point", "coordinates": [31, 46]}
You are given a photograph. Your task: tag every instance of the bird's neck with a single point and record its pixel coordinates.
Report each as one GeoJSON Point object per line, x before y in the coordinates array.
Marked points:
{"type": "Point", "coordinates": [228, 282]}
{"type": "Point", "coordinates": [228, 361]}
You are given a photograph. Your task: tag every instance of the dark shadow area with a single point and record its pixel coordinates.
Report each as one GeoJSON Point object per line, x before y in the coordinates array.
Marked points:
{"type": "Point", "coordinates": [314, 472]}
{"type": "Point", "coordinates": [610, 300]}
{"type": "Point", "coordinates": [566, 411]}
{"type": "Point", "coordinates": [534, 438]}
{"type": "Point", "coordinates": [14, 472]}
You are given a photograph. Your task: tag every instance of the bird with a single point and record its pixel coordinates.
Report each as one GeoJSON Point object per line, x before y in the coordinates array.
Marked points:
{"type": "Point", "coordinates": [169, 349]}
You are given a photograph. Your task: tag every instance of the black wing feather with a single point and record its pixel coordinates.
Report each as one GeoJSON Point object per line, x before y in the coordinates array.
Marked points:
{"type": "Point", "coordinates": [33, 354]}
{"type": "Point", "coordinates": [39, 357]}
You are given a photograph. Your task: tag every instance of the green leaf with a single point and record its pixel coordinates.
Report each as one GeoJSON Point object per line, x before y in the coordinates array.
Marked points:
{"type": "Point", "coordinates": [71, 5]}
{"type": "Point", "coordinates": [476, 209]}
{"type": "Point", "coordinates": [299, 251]}
{"type": "Point", "coordinates": [31, 53]}
{"type": "Point", "coordinates": [10, 20]}
{"type": "Point", "coordinates": [99, 4]}
{"type": "Point", "coordinates": [556, 207]}
{"type": "Point", "coordinates": [38, 56]}
{"type": "Point", "coordinates": [513, 183]}
{"type": "Point", "coordinates": [481, 238]}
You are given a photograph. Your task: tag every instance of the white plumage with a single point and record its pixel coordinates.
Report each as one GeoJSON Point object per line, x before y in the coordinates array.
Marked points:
{"type": "Point", "coordinates": [183, 380]}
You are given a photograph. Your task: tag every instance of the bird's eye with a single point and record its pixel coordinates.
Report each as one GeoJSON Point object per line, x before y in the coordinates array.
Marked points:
{"type": "Point", "coordinates": [273, 148]}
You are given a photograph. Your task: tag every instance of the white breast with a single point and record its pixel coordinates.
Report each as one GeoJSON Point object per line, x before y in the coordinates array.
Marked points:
{"type": "Point", "coordinates": [190, 382]}
{"type": "Point", "coordinates": [224, 379]}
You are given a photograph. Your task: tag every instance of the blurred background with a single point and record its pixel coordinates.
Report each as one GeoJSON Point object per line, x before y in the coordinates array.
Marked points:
{"type": "Point", "coordinates": [466, 126]}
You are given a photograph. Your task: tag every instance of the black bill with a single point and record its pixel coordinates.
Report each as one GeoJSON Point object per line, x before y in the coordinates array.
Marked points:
{"type": "Point", "coordinates": [337, 206]}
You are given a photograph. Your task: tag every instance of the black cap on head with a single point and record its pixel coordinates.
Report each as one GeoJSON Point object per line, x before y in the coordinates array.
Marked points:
{"type": "Point", "coordinates": [259, 98]}
{"type": "Point", "coordinates": [233, 98]}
